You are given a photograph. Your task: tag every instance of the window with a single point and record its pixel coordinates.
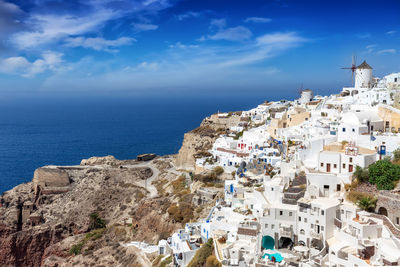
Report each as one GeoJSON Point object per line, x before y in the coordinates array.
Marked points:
{"type": "Point", "coordinates": [305, 220]}
{"type": "Point", "coordinates": [312, 225]}
{"type": "Point", "coordinates": [322, 228]}
{"type": "Point", "coordinates": [280, 212]}
{"type": "Point", "coordinates": [272, 226]}
{"type": "Point", "coordinates": [397, 220]}
{"type": "Point", "coordinates": [344, 166]}
{"type": "Point", "coordinates": [344, 130]}
{"type": "Point", "coordinates": [302, 232]}
{"type": "Point", "coordinates": [299, 219]}
{"type": "Point", "coordinates": [266, 225]}
{"type": "Point", "coordinates": [353, 130]}
{"type": "Point", "coordinates": [290, 213]}
{"type": "Point", "coordinates": [351, 159]}
{"type": "Point", "coordinates": [272, 189]}
{"type": "Point", "coordinates": [395, 80]}
{"type": "Point", "coordinates": [322, 212]}
{"type": "Point", "coordinates": [322, 164]}
{"type": "Point", "coordinates": [334, 166]}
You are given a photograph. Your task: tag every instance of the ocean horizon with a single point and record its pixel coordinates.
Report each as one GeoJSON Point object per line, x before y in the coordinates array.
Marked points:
{"type": "Point", "coordinates": [63, 132]}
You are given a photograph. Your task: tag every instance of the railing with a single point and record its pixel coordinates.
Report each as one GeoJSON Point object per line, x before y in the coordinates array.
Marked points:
{"type": "Point", "coordinates": [316, 235]}
{"type": "Point", "coordinates": [285, 232]}
{"type": "Point", "coordinates": [338, 223]}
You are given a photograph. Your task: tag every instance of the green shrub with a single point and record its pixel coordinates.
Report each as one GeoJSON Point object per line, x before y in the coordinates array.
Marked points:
{"type": "Point", "coordinates": [367, 203]}
{"type": "Point", "coordinates": [178, 184]}
{"type": "Point", "coordinates": [361, 174]}
{"type": "Point", "coordinates": [182, 214]}
{"type": "Point", "coordinates": [166, 262]}
{"type": "Point", "coordinates": [77, 248]}
{"type": "Point", "coordinates": [218, 170]}
{"type": "Point", "coordinates": [355, 196]}
{"type": "Point", "coordinates": [95, 234]}
{"type": "Point", "coordinates": [384, 174]}
{"type": "Point", "coordinates": [396, 155]}
{"type": "Point", "coordinates": [200, 258]}
{"type": "Point", "coordinates": [212, 261]}
{"type": "Point", "coordinates": [96, 222]}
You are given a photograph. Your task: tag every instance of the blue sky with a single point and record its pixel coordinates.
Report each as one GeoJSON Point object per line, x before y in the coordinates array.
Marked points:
{"type": "Point", "coordinates": [162, 47]}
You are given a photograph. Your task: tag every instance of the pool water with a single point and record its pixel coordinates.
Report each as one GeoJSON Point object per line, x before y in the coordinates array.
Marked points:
{"type": "Point", "coordinates": [278, 256]}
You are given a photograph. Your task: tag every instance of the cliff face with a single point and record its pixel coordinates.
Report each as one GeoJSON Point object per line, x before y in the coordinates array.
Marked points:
{"type": "Point", "coordinates": [46, 222]}
{"type": "Point", "coordinates": [197, 142]}
{"type": "Point", "coordinates": [42, 220]}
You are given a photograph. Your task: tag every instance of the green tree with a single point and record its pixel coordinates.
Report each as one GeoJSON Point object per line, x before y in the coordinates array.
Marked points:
{"type": "Point", "coordinates": [367, 203]}
{"type": "Point", "coordinates": [384, 174]}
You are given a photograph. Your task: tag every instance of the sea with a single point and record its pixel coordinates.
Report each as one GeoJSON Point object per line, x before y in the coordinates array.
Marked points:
{"type": "Point", "coordinates": [39, 132]}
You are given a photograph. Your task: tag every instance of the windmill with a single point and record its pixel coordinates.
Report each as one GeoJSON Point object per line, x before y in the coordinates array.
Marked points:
{"type": "Point", "coordinates": [352, 68]}
{"type": "Point", "coordinates": [300, 89]}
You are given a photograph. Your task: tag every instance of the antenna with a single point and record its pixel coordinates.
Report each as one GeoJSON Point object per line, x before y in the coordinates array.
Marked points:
{"type": "Point", "coordinates": [352, 68]}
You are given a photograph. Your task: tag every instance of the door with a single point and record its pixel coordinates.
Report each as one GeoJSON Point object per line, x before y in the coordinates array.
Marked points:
{"type": "Point", "coordinates": [328, 167]}
{"type": "Point", "coordinates": [350, 168]}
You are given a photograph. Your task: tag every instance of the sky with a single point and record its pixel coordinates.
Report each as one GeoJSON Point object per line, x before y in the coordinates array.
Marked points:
{"type": "Point", "coordinates": [207, 47]}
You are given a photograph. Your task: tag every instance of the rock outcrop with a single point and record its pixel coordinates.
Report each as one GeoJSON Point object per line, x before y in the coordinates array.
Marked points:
{"type": "Point", "coordinates": [197, 142]}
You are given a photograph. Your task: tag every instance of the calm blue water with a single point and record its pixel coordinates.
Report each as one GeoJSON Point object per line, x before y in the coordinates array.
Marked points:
{"type": "Point", "coordinates": [62, 132]}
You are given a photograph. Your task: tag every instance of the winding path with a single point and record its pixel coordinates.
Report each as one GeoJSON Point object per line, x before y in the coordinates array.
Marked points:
{"type": "Point", "coordinates": [148, 182]}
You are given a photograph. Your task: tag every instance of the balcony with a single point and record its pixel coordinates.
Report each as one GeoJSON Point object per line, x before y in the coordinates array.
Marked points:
{"type": "Point", "coordinates": [315, 235]}
{"type": "Point", "coordinates": [285, 232]}
{"type": "Point", "coordinates": [338, 223]}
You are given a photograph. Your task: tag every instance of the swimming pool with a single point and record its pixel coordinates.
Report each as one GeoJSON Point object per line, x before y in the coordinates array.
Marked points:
{"type": "Point", "coordinates": [278, 257]}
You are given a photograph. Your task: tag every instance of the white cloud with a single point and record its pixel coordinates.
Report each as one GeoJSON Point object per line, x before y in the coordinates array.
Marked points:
{"type": "Point", "coordinates": [51, 28]}
{"type": "Point", "coordinates": [363, 35]}
{"type": "Point", "coordinates": [257, 20]}
{"type": "Point", "coordinates": [238, 33]}
{"type": "Point", "coordinates": [370, 48]}
{"type": "Point", "coordinates": [386, 51]}
{"type": "Point", "coordinates": [266, 46]}
{"type": "Point", "coordinates": [391, 32]}
{"type": "Point", "coordinates": [281, 39]}
{"type": "Point", "coordinates": [99, 44]}
{"type": "Point", "coordinates": [182, 46]}
{"type": "Point", "coordinates": [23, 67]}
{"type": "Point", "coordinates": [144, 27]}
{"type": "Point", "coordinates": [218, 23]}
{"type": "Point", "coordinates": [189, 14]}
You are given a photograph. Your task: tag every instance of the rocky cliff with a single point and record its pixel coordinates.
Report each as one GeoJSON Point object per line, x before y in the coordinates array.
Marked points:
{"type": "Point", "coordinates": [47, 222]}
{"type": "Point", "coordinates": [197, 142]}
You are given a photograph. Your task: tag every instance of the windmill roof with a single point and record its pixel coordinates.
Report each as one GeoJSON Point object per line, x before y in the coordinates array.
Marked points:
{"type": "Point", "coordinates": [364, 65]}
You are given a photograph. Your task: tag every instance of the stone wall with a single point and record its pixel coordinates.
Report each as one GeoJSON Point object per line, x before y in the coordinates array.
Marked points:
{"type": "Point", "coordinates": [49, 177]}
{"type": "Point", "coordinates": [389, 201]}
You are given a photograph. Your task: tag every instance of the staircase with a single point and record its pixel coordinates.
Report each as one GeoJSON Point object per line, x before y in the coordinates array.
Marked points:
{"type": "Point", "coordinates": [295, 191]}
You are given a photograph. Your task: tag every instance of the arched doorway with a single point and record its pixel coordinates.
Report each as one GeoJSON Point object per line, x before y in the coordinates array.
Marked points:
{"type": "Point", "coordinates": [383, 211]}
{"type": "Point", "coordinates": [268, 242]}
{"type": "Point", "coordinates": [285, 242]}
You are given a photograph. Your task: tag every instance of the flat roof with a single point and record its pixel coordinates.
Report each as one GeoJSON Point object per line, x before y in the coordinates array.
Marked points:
{"type": "Point", "coordinates": [325, 202]}
{"type": "Point", "coordinates": [338, 147]}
